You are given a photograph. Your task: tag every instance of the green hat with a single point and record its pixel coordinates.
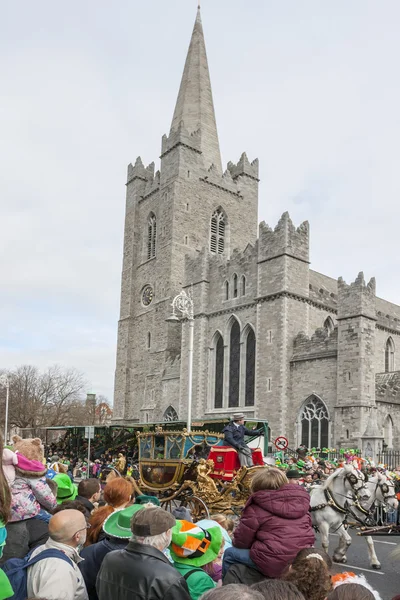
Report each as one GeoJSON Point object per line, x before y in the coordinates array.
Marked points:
{"type": "Point", "coordinates": [193, 545]}
{"type": "Point", "coordinates": [144, 499]}
{"type": "Point", "coordinates": [66, 490]}
{"type": "Point", "coordinates": [294, 474]}
{"type": "Point", "coordinates": [118, 524]}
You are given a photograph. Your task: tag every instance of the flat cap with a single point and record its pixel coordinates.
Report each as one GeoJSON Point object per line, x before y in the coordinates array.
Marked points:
{"type": "Point", "coordinates": [150, 521]}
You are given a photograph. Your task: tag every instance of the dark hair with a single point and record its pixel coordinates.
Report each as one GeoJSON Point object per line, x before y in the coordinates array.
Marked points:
{"type": "Point", "coordinates": [276, 589]}
{"type": "Point", "coordinates": [310, 573]}
{"type": "Point", "coordinates": [71, 504]}
{"type": "Point", "coordinates": [351, 591]}
{"type": "Point", "coordinates": [232, 591]}
{"type": "Point", "coordinates": [5, 492]}
{"type": "Point", "coordinates": [88, 487]}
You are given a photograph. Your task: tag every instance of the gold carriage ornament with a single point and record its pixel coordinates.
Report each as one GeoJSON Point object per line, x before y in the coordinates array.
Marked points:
{"type": "Point", "coordinates": [194, 469]}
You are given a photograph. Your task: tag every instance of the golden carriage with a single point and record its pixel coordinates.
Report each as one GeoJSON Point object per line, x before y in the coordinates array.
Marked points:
{"type": "Point", "coordinates": [193, 469]}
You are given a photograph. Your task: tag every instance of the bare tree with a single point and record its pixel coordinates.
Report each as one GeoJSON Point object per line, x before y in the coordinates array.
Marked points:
{"type": "Point", "coordinates": [44, 399]}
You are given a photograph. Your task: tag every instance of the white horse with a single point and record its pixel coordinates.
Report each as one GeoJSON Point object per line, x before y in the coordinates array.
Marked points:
{"type": "Point", "coordinates": [382, 496]}
{"type": "Point", "coordinates": [330, 504]}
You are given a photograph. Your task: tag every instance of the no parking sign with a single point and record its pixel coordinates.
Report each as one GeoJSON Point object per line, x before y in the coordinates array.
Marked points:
{"type": "Point", "coordinates": [281, 443]}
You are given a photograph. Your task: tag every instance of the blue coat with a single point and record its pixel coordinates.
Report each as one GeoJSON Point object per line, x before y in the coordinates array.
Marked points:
{"type": "Point", "coordinates": [234, 436]}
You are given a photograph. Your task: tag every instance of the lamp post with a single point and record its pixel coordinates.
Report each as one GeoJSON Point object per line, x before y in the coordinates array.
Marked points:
{"type": "Point", "coordinates": [183, 304]}
{"type": "Point", "coordinates": [5, 382]}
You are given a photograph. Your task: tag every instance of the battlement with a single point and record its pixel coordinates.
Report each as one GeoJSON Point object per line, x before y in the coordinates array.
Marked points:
{"type": "Point", "coordinates": [223, 182]}
{"type": "Point", "coordinates": [139, 171]}
{"type": "Point", "coordinates": [320, 345]}
{"type": "Point", "coordinates": [284, 239]}
{"type": "Point", "coordinates": [181, 137]}
{"type": "Point", "coordinates": [152, 185]}
{"type": "Point", "coordinates": [244, 168]}
{"type": "Point", "coordinates": [357, 298]}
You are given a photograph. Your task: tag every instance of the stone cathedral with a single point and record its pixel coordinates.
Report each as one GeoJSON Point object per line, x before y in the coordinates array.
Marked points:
{"type": "Point", "coordinates": [274, 339]}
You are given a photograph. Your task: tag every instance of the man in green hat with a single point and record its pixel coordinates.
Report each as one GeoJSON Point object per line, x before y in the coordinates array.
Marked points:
{"type": "Point", "coordinates": [191, 549]}
{"type": "Point", "coordinates": [66, 490]}
{"type": "Point", "coordinates": [117, 528]}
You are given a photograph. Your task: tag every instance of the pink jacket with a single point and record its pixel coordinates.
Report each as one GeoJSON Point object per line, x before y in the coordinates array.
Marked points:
{"type": "Point", "coordinates": [29, 495]}
{"type": "Point", "coordinates": [275, 525]}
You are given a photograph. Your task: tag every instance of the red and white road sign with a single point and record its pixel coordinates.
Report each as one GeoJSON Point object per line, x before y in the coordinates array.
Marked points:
{"type": "Point", "coordinates": [281, 443]}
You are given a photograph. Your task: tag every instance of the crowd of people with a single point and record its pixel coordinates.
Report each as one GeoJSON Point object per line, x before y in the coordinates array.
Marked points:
{"type": "Point", "coordinates": [61, 540]}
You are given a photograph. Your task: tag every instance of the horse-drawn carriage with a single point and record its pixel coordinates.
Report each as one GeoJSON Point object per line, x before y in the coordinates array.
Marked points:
{"type": "Point", "coordinates": [193, 469]}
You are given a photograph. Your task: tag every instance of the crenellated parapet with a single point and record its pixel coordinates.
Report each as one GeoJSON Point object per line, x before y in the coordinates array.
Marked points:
{"type": "Point", "coordinates": [244, 168]}
{"type": "Point", "coordinates": [285, 239]}
{"type": "Point", "coordinates": [357, 299]}
{"type": "Point", "coordinates": [139, 171]}
{"type": "Point", "coordinates": [181, 137]}
{"type": "Point", "coordinates": [321, 344]}
{"type": "Point", "coordinates": [225, 182]}
{"type": "Point", "coordinates": [152, 185]}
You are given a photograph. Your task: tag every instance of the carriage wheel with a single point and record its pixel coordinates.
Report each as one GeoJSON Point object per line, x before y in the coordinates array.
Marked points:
{"type": "Point", "coordinates": [197, 507]}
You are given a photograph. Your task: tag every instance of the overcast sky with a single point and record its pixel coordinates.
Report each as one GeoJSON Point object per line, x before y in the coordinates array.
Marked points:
{"type": "Point", "coordinates": [311, 88]}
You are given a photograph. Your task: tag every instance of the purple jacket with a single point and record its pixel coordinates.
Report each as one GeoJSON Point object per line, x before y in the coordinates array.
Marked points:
{"type": "Point", "coordinates": [275, 525]}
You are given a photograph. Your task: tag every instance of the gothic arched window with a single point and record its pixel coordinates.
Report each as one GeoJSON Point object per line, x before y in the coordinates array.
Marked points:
{"type": "Point", "coordinates": [234, 365]}
{"type": "Point", "coordinates": [243, 285]}
{"type": "Point", "coordinates": [388, 432]}
{"type": "Point", "coordinates": [226, 290]}
{"type": "Point", "coordinates": [389, 356]}
{"type": "Point", "coordinates": [250, 368]}
{"type": "Point", "coordinates": [217, 239]}
{"type": "Point", "coordinates": [235, 286]}
{"type": "Point", "coordinates": [329, 325]}
{"type": "Point", "coordinates": [151, 235]}
{"type": "Point", "coordinates": [314, 424]}
{"type": "Point", "coordinates": [170, 414]}
{"type": "Point", "coordinates": [219, 373]}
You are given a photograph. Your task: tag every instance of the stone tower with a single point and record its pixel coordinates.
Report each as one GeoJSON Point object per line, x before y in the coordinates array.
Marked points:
{"type": "Point", "coordinates": [188, 206]}
{"type": "Point", "coordinates": [355, 361]}
{"type": "Point", "coordinates": [283, 284]}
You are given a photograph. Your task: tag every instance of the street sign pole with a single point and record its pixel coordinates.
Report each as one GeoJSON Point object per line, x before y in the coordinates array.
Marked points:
{"type": "Point", "coordinates": [89, 435]}
{"type": "Point", "coordinates": [88, 460]}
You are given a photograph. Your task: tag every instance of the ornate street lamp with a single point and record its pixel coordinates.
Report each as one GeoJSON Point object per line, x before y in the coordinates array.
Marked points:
{"type": "Point", "coordinates": [183, 305]}
{"type": "Point", "coordinates": [5, 382]}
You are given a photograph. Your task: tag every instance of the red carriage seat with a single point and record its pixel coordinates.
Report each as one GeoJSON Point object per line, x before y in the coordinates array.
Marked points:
{"type": "Point", "coordinates": [226, 461]}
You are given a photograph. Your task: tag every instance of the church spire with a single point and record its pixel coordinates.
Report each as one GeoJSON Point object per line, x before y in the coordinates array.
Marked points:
{"type": "Point", "coordinates": [195, 106]}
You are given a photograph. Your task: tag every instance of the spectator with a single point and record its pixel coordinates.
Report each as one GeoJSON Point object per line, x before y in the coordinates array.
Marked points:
{"type": "Point", "coordinates": [74, 505]}
{"type": "Point", "coordinates": [117, 494]}
{"type": "Point", "coordinates": [294, 476]}
{"type": "Point", "coordinates": [275, 524]}
{"type": "Point", "coordinates": [5, 504]}
{"type": "Point", "coordinates": [66, 490]}
{"type": "Point", "coordinates": [142, 571]}
{"type": "Point", "coordinates": [117, 530]}
{"type": "Point", "coordinates": [310, 573]}
{"type": "Point", "coordinates": [89, 492]}
{"type": "Point", "coordinates": [193, 548]}
{"type": "Point", "coordinates": [53, 578]}
{"type": "Point", "coordinates": [275, 589]}
{"type": "Point", "coordinates": [347, 579]}
{"type": "Point", "coordinates": [351, 591]}
{"type": "Point", "coordinates": [234, 591]}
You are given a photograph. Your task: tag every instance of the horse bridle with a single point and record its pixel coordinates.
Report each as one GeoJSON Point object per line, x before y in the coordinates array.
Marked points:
{"type": "Point", "coordinates": [385, 491]}
{"type": "Point", "coordinates": [353, 479]}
